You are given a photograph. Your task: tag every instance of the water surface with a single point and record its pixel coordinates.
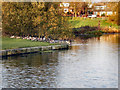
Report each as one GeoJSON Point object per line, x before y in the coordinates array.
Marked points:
{"type": "Point", "coordinates": [91, 63]}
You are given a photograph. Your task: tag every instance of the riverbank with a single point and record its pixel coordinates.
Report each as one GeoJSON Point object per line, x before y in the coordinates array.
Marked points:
{"type": "Point", "coordinates": [92, 27]}
{"type": "Point", "coordinates": [88, 32]}
{"type": "Point", "coordinates": [14, 46]}
{"type": "Point", "coordinates": [27, 50]}
{"type": "Point", "coordinates": [81, 22]}
{"type": "Point", "coordinates": [13, 43]}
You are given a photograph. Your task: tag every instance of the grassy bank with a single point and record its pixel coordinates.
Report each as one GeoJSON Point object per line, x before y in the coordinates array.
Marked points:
{"type": "Point", "coordinates": [79, 22]}
{"type": "Point", "coordinates": [87, 32]}
{"type": "Point", "coordinates": [8, 43]}
{"type": "Point", "coordinates": [88, 27]}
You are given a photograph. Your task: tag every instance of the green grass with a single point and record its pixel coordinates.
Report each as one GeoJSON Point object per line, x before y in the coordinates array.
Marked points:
{"type": "Point", "coordinates": [8, 43]}
{"type": "Point", "coordinates": [79, 22]}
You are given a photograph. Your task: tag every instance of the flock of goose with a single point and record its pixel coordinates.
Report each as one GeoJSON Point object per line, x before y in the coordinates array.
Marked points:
{"type": "Point", "coordinates": [42, 39]}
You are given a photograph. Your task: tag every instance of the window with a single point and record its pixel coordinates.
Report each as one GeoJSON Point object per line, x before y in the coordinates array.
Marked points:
{"type": "Point", "coordinates": [66, 4]}
{"type": "Point", "coordinates": [65, 10]}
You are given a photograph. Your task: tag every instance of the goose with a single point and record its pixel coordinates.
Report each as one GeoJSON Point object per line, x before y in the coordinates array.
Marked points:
{"type": "Point", "coordinates": [12, 37]}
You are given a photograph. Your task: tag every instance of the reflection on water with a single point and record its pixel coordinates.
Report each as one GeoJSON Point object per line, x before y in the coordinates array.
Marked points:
{"type": "Point", "coordinates": [91, 63]}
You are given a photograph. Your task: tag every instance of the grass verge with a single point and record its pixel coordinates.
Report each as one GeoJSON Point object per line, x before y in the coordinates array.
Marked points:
{"type": "Point", "coordinates": [79, 22]}
{"type": "Point", "coordinates": [9, 43]}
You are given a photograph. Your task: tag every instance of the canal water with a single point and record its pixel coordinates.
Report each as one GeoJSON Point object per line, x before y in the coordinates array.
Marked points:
{"type": "Point", "coordinates": [90, 63]}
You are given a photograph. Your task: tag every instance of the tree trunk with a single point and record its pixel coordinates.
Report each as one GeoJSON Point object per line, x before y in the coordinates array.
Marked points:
{"type": "Point", "coordinates": [39, 33]}
{"type": "Point", "coordinates": [75, 11]}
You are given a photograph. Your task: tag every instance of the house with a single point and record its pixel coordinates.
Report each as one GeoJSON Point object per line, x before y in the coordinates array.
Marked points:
{"type": "Point", "coordinates": [101, 9]}
{"type": "Point", "coordinates": [65, 7]}
{"type": "Point", "coordinates": [70, 8]}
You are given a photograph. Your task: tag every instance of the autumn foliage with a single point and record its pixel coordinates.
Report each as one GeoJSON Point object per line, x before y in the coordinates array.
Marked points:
{"type": "Point", "coordinates": [34, 19]}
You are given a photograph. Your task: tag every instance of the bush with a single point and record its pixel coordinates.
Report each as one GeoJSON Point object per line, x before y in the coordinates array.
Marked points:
{"type": "Point", "coordinates": [113, 18]}
{"type": "Point", "coordinates": [94, 33]}
{"type": "Point", "coordinates": [103, 14]}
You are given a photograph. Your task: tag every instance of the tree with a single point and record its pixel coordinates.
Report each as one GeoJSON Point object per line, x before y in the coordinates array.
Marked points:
{"type": "Point", "coordinates": [119, 13]}
{"type": "Point", "coordinates": [39, 17]}
{"type": "Point", "coordinates": [78, 6]}
{"type": "Point", "coordinates": [21, 18]}
{"type": "Point", "coordinates": [115, 9]}
{"type": "Point", "coordinates": [16, 18]}
{"type": "Point", "coordinates": [35, 19]}
{"type": "Point", "coordinates": [52, 22]}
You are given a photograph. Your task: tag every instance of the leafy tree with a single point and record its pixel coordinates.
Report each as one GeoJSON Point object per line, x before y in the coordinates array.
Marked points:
{"type": "Point", "coordinates": [79, 6]}
{"type": "Point", "coordinates": [17, 18]}
{"type": "Point", "coordinates": [115, 8]}
{"type": "Point", "coordinates": [35, 19]}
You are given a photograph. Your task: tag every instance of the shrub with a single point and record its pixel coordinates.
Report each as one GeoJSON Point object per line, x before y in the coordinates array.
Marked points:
{"type": "Point", "coordinates": [103, 14]}
{"type": "Point", "coordinates": [113, 18]}
{"type": "Point", "coordinates": [94, 33]}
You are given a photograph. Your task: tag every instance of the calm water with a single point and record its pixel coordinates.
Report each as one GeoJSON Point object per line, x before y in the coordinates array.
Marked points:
{"type": "Point", "coordinates": [91, 63]}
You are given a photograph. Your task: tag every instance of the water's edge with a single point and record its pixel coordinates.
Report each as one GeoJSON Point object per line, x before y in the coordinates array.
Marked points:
{"type": "Point", "coordinates": [28, 50]}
